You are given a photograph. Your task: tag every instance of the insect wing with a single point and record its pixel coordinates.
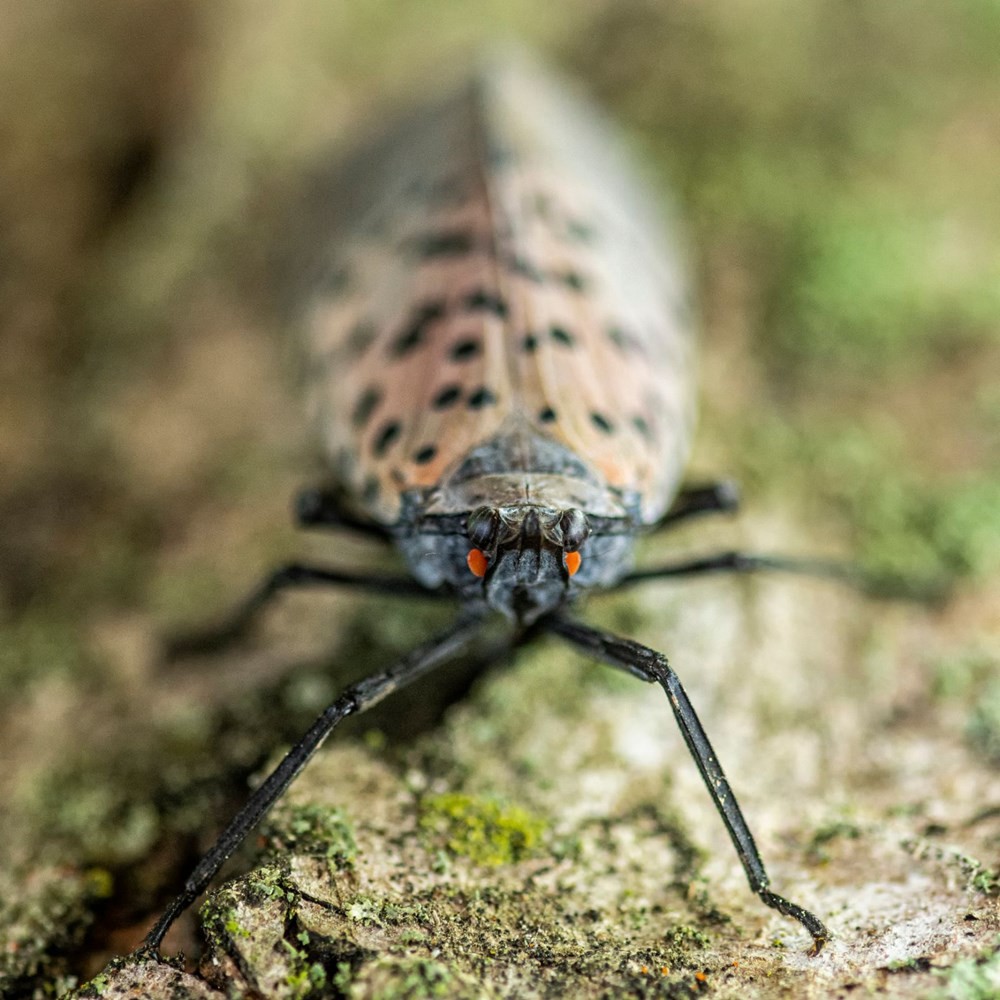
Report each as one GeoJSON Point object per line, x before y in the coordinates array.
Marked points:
{"type": "Point", "coordinates": [498, 263]}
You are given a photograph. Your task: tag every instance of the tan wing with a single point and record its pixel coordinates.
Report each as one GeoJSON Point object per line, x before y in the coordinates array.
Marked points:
{"type": "Point", "coordinates": [601, 339]}
{"type": "Point", "coordinates": [407, 340]}
{"type": "Point", "coordinates": [498, 258]}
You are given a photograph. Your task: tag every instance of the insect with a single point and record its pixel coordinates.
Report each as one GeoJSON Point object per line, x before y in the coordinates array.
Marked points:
{"type": "Point", "coordinates": [500, 362]}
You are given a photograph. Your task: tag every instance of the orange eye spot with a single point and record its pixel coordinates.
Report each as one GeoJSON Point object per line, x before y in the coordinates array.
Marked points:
{"type": "Point", "coordinates": [477, 562]}
{"type": "Point", "coordinates": [572, 560]}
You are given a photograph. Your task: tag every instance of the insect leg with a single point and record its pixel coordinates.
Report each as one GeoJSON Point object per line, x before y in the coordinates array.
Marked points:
{"type": "Point", "coordinates": [722, 497]}
{"type": "Point", "coordinates": [647, 664]}
{"type": "Point", "coordinates": [742, 562]}
{"type": "Point", "coordinates": [319, 507]}
{"type": "Point", "coordinates": [357, 698]}
{"type": "Point", "coordinates": [291, 575]}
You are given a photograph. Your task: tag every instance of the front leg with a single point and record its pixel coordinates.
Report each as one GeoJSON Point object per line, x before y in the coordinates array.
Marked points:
{"type": "Point", "coordinates": [745, 562]}
{"type": "Point", "coordinates": [319, 506]}
{"type": "Point", "coordinates": [722, 497]}
{"type": "Point", "coordinates": [237, 623]}
{"type": "Point", "coordinates": [648, 665]}
{"type": "Point", "coordinates": [356, 699]}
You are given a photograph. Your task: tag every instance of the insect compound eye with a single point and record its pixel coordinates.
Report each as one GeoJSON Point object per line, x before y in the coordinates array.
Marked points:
{"type": "Point", "coordinates": [478, 562]}
{"type": "Point", "coordinates": [482, 527]}
{"type": "Point", "coordinates": [575, 530]}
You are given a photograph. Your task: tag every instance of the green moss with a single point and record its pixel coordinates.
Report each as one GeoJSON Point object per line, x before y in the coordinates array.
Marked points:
{"type": "Point", "coordinates": [305, 976]}
{"type": "Point", "coordinates": [827, 834]}
{"type": "Point", "coordinates": [965, 673]}
{"type": "Point", "coordinates": [36, 646]}
{"type": "Point", "coordinates": [481, 829]}
{"type": "Point", "coordinates": [384, 913]}
{"type": "Point", "coordinates": [875, 286]}
{"type": "Point", "coordinates": [983, 727]}
{"type": "Point", "coordinates": [232, 925]}
{"type": "Point", "coordinates": [914, 533]}
{"type": "Point", "coordinates": [270, 882]}
{"type": "Point", "coordinates": [987, 882]}
{"type": "Point", "coordinates": [971, 979]}
{"type": "Point", "coordinates": [43, 917]}
{"type": "Point", "coordinates": [95, 814]}
{"type": "Point", "coordinates": [683, 939]}
{"type": "Point", "coordinates": [97, 985]}
{"type": "Point", "coordinates": [970, 675]}
{"type": "Point", "coordinates": [393, 978]}
{"type": "Point", "coordinates": [315, 830]}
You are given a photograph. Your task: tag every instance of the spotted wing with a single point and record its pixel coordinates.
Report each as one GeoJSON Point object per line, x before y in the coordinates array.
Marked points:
{"type": "Point", "coordinates": [406, 326]}
{"type": "Point", "coordinates": [600, 336]}
{"type": "Point", "coordinates": [498, 261]}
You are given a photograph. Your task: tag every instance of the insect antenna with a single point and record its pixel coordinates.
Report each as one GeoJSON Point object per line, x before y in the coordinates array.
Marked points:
{"type": "Point", "coordinates": [651, 666]}
{"type": "Point", "coordinates": [357, 698]}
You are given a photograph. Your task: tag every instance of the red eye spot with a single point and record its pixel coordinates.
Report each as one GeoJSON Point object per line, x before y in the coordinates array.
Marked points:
{"type": "Point", "coordinates": [572, 560]}
{"type": "Point", "coordinates": [477, 562]}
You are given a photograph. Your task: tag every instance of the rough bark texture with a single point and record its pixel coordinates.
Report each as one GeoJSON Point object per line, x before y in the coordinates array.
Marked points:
{"type": "Point", "coordinates": [551, 837]}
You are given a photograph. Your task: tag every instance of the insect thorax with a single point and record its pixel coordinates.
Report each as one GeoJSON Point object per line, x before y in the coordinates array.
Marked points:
{"type": "Point", "coordinates": [525, 502]}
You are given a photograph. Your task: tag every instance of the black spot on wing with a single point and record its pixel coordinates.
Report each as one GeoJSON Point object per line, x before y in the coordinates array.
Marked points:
{"type": "Point", "coordinates": [579, 231]}
{"type": "Point", "coordinates": [625, 341]}
{"type": "Point", "coordinates": [524, 268]}
{"type": "Point", "coordinates": [480, 398]}
{"type": "Point", "coordinates": [572, 280]}
{"type": "Point", "coordinates": [365, 406]}
{"type": "Point", "coordinates": [407, 341]}
{"type": "Point", "coordinates": [425, 454]}
{"type": "Point", "coordinates": [561, 336]}
{"type": "Point", "coordinates": [371, 490]}
{"type": "Point", "coordinates": [414, 334]}
{"type": "Point", "coordinates": [642, 426]}
{"type": "Point", "coordinates": [601, 422]}
{"type": "Point", "coordinates": [386, 437]}
{"type": "Point", "coordinates": [446, 243]}
{"type": "Point", "coordinates": [361, 337]}
{"type": "Point", "coordinates": [448, 396]}
{"type": "Point", "coordinates": [485, 301]}
{"type": "Point", "coordinates": [466, 349]}
{"type": "Point", "coordinates": [547, 416]}
{"type": "Point", "coordinates": [336, 282]}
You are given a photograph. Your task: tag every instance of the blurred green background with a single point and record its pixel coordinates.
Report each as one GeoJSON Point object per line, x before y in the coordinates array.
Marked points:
{"type": "Point", "coordinates": [835, 169]}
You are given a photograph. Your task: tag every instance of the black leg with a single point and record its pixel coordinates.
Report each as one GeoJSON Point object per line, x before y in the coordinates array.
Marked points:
{"type": "Point", "coordinates": [319, 507]}
{"type": "Point", "coordinates": [651, 666]}
{"type": "Point", "coordinates": [355, 699]}
{"type": "Point", "coordinates": [722, 497]}
{"type": "Point", "coordinates": [292, 575]}
{"type": "Point", "coordinates": [742, 562]}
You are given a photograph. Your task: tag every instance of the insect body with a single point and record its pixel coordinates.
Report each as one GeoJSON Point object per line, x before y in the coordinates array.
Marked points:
{"type": "Point", "coordinates": [511, 335]}
{"type": "Point", "coordinates": [500, 365]}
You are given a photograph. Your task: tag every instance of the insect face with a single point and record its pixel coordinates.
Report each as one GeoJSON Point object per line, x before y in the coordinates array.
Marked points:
{"type": "Point", "coordinates": [526, 555]}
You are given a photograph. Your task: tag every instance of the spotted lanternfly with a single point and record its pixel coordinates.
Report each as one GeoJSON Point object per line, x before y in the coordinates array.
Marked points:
{"type": "Point", "coordinates": [500, 363]}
